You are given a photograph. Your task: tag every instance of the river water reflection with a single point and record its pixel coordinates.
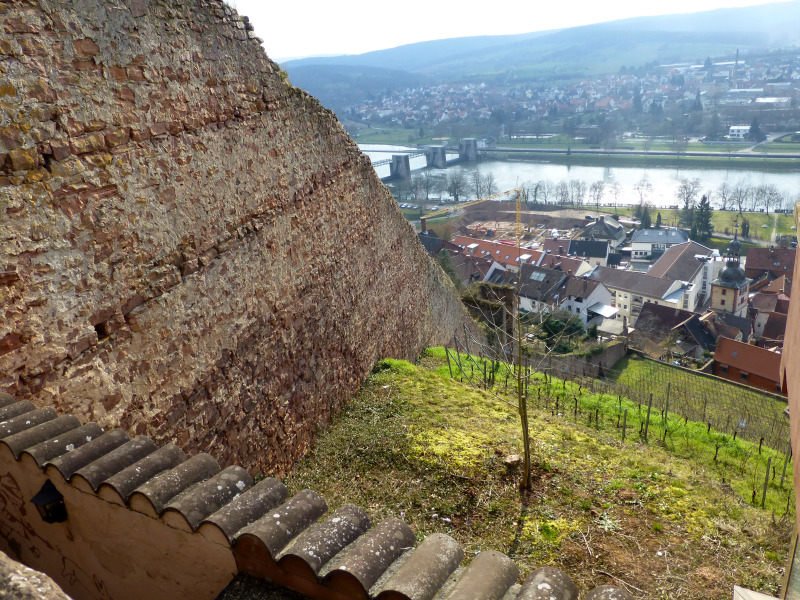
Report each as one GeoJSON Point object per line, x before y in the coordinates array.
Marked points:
{"type": "Point", "coordinates": [664, 180]}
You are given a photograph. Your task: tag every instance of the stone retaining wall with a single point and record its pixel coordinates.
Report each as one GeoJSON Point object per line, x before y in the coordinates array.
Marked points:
{"type": "Point", "coordinates": [190, 247]}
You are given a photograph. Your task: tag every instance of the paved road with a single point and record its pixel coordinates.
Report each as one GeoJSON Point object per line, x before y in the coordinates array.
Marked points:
{"type": "Point", "coordinates": [745, 153]}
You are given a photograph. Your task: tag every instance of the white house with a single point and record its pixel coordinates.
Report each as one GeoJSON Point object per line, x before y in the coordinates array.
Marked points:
{"type": "Point", "coordinates": [589, 299]}
{"type": "Point", "coordinates": [630, 290]}
{"type": "Point", "coordinates": [692, 264]}
{"type": "Point", "coordinates": [738, 132]}
{"type": "Point", "coordinates": [649, 244]}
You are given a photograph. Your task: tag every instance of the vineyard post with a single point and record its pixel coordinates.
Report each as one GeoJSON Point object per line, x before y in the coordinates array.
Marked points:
{"type": "Point", "coordinates": [647, 422]}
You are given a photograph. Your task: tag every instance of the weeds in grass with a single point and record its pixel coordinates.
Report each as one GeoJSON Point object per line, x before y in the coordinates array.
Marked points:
{"type": "Point", "coordinates": [597, 505]}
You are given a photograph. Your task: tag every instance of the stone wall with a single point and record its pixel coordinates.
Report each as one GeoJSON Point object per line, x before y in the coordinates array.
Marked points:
{"type": "Point", "coordinates": [190, 247]}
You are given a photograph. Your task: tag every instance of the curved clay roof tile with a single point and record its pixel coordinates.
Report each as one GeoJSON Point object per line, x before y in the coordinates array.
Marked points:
{"type": "Point", "coordinates": [267, 535]}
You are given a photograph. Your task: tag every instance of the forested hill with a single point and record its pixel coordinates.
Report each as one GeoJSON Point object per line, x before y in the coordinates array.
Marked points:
{"type": "Point", "coordinates": [551, 55]}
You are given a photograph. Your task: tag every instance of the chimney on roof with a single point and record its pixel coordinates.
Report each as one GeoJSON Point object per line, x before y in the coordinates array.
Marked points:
{"type": "Point", "coordinates": [423, 223]}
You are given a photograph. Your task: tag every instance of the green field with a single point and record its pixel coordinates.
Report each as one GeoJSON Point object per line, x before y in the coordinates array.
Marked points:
{"type": "Point", "coordinates": [418, 445]}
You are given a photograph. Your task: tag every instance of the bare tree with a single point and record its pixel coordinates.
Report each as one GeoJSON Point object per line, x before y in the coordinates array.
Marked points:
{"type": "Point", "coordinates": [417, 187]}
{"type": "Point", "coordinates": [477, 183]}
{"type": "Point", "coordinates": [498, 307]}
{"type": "Point", "coordinates": [739, 195]}
{"type": "Point", "coordinates": [562, 193]}
{"type": "Point", "coordinates": [577, 191]}
{"type": "Point", "coordinates": [430, 184]}
{"type": "Point", "coordinates": [643, 189]}
{"type": "Point", "coordinates": [772, 197]}
{"type": "Point", "coordinates": [723, 193]}
{"type": "Point", "coordinates": [489, 186]}
{"type": "Point", "coordinates": [596, 192]}
{"type": "Point", "coordinates": [616, 190]}
{"type": "Point", "coordinates": [456, 184]}
{"type": "Point", "coordinates": [544, 190]}
{"type": "Point", "coordinates": [758, 197]}
{"type": "Point", "coordinates": [688, 190]}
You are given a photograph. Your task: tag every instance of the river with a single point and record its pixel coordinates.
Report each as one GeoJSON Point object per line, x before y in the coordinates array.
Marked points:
{"type": "Point", "coordinates": [664, 181]}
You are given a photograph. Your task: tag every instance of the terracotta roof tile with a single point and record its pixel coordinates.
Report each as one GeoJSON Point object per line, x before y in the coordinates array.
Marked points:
{"type": "Point", "coordinates": [268, 535]}
{"type": "Point", "coordinates": [752, 359]}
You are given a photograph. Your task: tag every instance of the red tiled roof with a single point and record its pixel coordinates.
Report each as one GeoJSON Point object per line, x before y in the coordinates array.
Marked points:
{"type": "Point", "coordinates": [502, 253]}
{"type": "Point", "coordinates": [777, 261]}
{"type": "Point", "coordinates": [752, 359]}
{"type": "Point", "coordinates": [565, 263]}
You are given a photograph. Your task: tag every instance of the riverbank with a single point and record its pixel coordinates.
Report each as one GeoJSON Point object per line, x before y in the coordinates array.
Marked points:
{"type": "Point", "coordinates": [632, 158]}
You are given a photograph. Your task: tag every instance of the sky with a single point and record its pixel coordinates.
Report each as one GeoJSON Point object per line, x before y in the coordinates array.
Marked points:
{"type": "Point", "coordinates": [298, 28]}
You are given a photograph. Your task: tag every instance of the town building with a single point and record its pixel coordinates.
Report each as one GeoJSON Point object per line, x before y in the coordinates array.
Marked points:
{"type": "Point", "coordinates": [748, 364]}
{"type": "Point", "coordinates": [604, 229]}
{"type": "Point", "coordinates": [777, 262]}
{"type": "Point", "coordinates": [535, 287]}
{"type": "Point", "coordinates": [594, 252]}
{"type": "Point", "coordinates": [586, 298]}
{"type": "Point", "coordinates": [649, 244]}
{"type": "Point", "coordinates": [729, 291]}
{"type": "Point", "coordinates": [739, 132]}
{"type": "Point", "coordinates": [662, 330]}
{"type": "Point", "coordinates": [630, 290]}
{"type": "Point", "coordinates": [693, 264]}
{"type": "Point", "coordinates": [505, 252]}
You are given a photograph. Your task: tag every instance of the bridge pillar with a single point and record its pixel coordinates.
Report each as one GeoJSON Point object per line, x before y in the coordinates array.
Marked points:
{"type": "Point", "coordinates": [400, 167]}
{"type": "Point", "coordinates": [468, 149]}
{"type": "Point", "coordinates": [436, 157]}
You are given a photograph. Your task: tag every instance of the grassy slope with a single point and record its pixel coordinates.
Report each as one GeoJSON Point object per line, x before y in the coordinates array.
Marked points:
{"type": "Point", "coordinates": [417, 445]}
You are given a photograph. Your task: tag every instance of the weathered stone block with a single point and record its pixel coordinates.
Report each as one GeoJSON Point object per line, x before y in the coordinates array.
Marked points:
{"type": "Point", "coordinates": [22, 160]}
{"type": "Point", "coordinates": [118, 137]}
{"type": "Point", "coordinates": [60, 149]}
{"type": "Point", "coordinates": [86, 47]}
{"type": "Point", "coordinates": [88, 143]}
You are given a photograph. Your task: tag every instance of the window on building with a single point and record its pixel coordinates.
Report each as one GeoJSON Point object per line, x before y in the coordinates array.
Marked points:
{"type": "Point", "coordinates": [722, 302]}
{"type": "Point", "coordinates": [723, 369]}
{"type": "Point", "coordinates": [723, 292]}
{"type": "Point", "coordinates": [743, 376]}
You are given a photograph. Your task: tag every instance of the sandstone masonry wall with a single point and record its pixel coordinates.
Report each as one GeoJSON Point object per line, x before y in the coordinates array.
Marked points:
{"type": "Point", "coordinates": [190, 247]}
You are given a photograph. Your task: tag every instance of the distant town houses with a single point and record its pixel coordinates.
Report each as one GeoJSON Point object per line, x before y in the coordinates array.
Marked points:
{"type": "Point", "coordinates": [737, 91]}
{"type": "Point", "coordinates": [676, 300]}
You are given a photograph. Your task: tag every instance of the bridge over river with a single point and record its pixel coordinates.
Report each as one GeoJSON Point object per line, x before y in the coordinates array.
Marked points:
{"type": "Point", "coordinates": [438, 157]}
{"type": "Point", "coordinates": [442, 156]}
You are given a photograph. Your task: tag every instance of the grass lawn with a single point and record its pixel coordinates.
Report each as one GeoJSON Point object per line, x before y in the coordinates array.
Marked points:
{"type": "Point", "coordinates": [418, 445]}
{"type": "Point", "coordinates": [721, 221]}
{"type": "Point", "coordinates": [721, 244]}
{"type": "Point", "coordinates": [785, 224]}
{"type": "Point", "coordinates": [782, 147]}
{"type": "Point", "coordinates": [718, 400]}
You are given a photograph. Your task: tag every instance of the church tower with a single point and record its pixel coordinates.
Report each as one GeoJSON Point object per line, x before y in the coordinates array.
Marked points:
{"type": "Point", "coordinates": [730, 290]}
